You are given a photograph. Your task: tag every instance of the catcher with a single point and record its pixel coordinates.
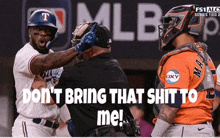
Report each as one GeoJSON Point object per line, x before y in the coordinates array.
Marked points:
{"type": "Point", "coordinates": [195, 70]}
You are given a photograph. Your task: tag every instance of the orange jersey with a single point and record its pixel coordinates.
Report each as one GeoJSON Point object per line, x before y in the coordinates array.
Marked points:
{"type": "Point", "coordinates": [186, 70]}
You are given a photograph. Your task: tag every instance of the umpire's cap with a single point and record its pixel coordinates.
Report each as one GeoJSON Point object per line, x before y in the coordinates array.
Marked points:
{"type": "Point", "coordinates": [102, 33]}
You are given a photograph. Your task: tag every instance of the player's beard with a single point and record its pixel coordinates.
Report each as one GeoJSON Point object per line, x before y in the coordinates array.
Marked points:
{"type": "Point", "coordinates": [39, 49]}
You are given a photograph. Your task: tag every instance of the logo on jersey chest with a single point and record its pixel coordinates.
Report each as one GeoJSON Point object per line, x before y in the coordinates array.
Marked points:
{"type": "Point", "coordinates": [172, 76]}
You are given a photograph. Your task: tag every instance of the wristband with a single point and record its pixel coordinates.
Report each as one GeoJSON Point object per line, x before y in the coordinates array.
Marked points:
{"type": "Point", "coordinates": [178, 100]}
{"type": "Point", "coordinates": [160, 128]}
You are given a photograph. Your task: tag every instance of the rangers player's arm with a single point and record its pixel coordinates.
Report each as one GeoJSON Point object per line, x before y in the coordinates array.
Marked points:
{"type": "Point", "coordinates": [49, 61]}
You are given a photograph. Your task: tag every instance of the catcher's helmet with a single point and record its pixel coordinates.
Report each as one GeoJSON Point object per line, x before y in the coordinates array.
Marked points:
{"type": "Point", "coordinates": [43, 17]}
{"type": "Point", "coordinates": [102, 33]}
{"type": "Point", "coordinates": [177, 20]}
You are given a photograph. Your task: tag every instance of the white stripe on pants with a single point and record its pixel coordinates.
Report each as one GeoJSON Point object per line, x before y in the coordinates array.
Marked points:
{"type": "Point", "coordinates": [25, 127]}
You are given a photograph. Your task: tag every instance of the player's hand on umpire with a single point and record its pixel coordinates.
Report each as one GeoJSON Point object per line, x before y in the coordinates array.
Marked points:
{"type": "Point", "coordinates": [87, 40]}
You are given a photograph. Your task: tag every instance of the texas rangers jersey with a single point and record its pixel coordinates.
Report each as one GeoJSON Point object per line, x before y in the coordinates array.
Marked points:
{"type": "Point", "coordinates": [24, 79]}
{"type": "Point", "coordinates": [186, 70]}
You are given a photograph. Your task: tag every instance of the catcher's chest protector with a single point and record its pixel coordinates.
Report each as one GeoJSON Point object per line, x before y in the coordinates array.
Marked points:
{"type": "Point", "coordinates": [205, 82]}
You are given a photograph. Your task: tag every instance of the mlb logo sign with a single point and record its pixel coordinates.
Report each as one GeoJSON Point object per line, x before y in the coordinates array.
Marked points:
{"type": "Point", "coordinates": [60, 15]}
{"type": "Point", "coordinates": [62, 9]}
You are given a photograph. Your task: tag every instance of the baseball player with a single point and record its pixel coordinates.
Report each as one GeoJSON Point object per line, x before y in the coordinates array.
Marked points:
{"type": "Point", "coordinates": [193, 68]}
{"type": "Point", "coordinates": [37, 66]}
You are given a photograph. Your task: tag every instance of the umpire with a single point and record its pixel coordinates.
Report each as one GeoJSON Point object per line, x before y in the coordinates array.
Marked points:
{"type": "Point", "coordinates": [96, 69]}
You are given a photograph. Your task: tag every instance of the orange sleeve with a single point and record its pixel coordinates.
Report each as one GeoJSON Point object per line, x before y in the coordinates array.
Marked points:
{"type": "Point", "coordinates": [176, 73]}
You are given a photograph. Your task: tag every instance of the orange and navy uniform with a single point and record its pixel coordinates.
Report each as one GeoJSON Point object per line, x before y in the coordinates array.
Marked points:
{"type": "Point", "coordinates": [186, 70]}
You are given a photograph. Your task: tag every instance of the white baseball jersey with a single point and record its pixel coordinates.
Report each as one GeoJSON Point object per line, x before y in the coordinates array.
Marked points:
{"type": "Point", "coordinates": [218, 74]}
{"type": "Point", "coordinates": [24, 79]}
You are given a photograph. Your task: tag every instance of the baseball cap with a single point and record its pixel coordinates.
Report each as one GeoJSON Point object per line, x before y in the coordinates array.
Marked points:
{"type": "Point", "coordinates": [103, 35]}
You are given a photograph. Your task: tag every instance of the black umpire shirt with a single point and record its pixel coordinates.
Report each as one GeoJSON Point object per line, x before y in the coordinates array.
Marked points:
{"type": "Point", "coordinates": [98, 72]}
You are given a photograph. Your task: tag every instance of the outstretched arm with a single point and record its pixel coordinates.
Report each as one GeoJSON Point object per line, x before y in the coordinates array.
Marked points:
{"type": "Point", "coordinates": [49, 61]}
{"type": "Point", "coordinates": [52, 60]}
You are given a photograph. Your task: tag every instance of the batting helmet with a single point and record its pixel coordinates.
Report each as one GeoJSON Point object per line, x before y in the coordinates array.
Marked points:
{"type": "Point", "coordinates": [43, 17]}
{"type": "Point", "coordinates": [177, 20]}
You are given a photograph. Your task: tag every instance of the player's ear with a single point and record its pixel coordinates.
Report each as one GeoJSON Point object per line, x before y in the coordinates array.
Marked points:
{"type": "Point", "coordinates": [29, 31]}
